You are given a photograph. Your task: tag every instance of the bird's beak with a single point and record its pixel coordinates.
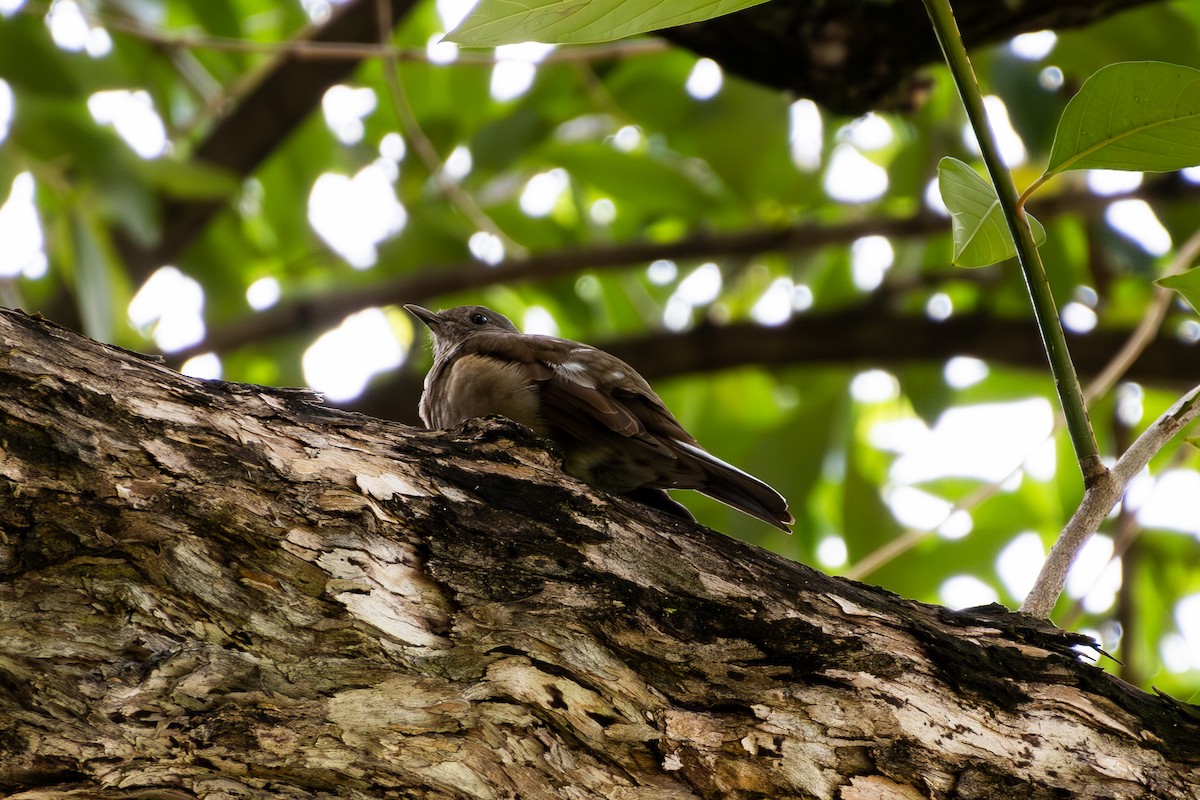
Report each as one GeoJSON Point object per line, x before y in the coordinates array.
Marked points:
{"type": "Point", "coordinates": [430, 318]}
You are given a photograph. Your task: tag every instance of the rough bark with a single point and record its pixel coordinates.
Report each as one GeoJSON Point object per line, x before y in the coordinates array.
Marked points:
{"type": "Point", "coordinates": [215, 591]}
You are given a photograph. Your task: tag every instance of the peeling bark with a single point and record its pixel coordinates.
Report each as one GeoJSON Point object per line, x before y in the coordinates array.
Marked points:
{"type": "Point", "coordinates": [214, 590]}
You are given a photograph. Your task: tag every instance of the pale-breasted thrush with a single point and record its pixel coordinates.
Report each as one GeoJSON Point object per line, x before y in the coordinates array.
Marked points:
{"type": "Point", "coordinates": [614, 431]}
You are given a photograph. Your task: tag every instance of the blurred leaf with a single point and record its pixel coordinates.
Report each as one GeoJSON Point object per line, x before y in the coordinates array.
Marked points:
{"type": "Point", "coordinates": [634, 180]}
{"type": "Point", "coordinates": [1187, 284]}
{"type": "Point", "coordinates": [219, 17]}
{"type": "Point", "coordinates": [981, 235]}
{"type": "Point", "coordinates": [1136, 115]}
{"type": "Point", "coordinates": [501, 142]}
{"type": "Point", "coordinates": [30, 61]}
{"type": "Point", "coordinates": [762, 171]}
{"type": "Point", "coordinates": [867, 522]}
{"type": "Point", "coordinates": [1129, 37]}
{"type": "Point", "coordinates": [495, 22]}
{"type": "Point", "coordinates": [189, 179]}
{"type": "Point", "coordinates": [925, 387]}
{"type": "Point", "coordinates": [94, 288]}
{"type": "Point", "coordinates": [806, 440]}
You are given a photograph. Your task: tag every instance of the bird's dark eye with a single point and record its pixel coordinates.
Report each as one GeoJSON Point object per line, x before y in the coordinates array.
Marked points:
{"type": "Point", "coordinates": [479, 319]}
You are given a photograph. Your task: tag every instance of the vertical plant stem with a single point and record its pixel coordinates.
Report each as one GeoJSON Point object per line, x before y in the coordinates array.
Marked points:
{"type": "Point", "coordinates": [1066, 381]}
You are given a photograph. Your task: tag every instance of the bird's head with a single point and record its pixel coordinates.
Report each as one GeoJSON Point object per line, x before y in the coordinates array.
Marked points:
{"type": "Point", "coordinates": [453, 325]}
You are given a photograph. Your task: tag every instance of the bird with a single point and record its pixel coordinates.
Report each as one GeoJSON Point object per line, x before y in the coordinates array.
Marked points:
{"type": "Point", "coordinates": [615, 432]}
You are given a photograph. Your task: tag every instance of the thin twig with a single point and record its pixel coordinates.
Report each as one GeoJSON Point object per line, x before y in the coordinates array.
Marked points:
{"type": "Point", "coordinates": [428, 154]}
{"type": "Point", "coordinates": [1134, 346]}
{"type": "Point", "coordinates": [356, 51]}
{"type": "Point", "coordinates": [1148, 328]}
{"type": "Point", "coordinates": [1085, 522]}
{"type": "Point", "coordinates": [1099, 499]}
{"type": "Point", "coordinates": [1125, 534]}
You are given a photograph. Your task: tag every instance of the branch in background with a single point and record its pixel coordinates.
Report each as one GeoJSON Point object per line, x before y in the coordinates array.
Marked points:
{"type": "Point", "coordinates": [864, 335]}
{"type": "Point", "coordinates": [316, 314]}
{"type": "Point", "coordinates": [329, 309]}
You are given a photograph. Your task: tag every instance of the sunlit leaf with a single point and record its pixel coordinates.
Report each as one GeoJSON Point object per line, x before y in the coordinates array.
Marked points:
{"type": "Point", "coordinates": [1187, 284]}
{"type": "Point", "coordinates": [495, 22]}
{"type": "Point", "coordinates": [1140, 115]}
{"type": "Point", "coordinates": [981, 236]}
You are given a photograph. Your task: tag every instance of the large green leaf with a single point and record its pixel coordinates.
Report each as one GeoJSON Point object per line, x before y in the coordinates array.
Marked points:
{"type": "Point", "coordinates": [495, 22]}
{"type": "Point", "coordinates": [1187, 284]}
{"type": "Point", "coordinates": [1142, 115]}
{"type": "Point", "coordinates": [981, 235]}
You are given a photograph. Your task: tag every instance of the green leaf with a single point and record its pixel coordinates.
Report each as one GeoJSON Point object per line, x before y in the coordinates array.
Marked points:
{"type": "Point", "coordinates": [495, 22]}
{"type": "Point", "coordinates": [29, 61]}
{"type": "Point", "coordinates": [1187, 284]}
{"type": "Point", "coordinates": [634, 180]}
{"type": "Point", "coordinates": [189, 179]}
{"type": "Point", "coordinates": [93, 277]}
{"type": "Point", "coordinates": [219, 17]}
{"type": "Point", "coordinates": [981, 235]}
{"type": "Point", "coordinates": [1138, 115]}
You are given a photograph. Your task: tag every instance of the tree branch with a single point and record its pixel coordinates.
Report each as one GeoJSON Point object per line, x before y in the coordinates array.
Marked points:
{"type": "Point", "coordinates": [866, 335]}
{"type": "Point", "coordinates": [861, 55]}
{"type": "Point", "coordinates": [218, 590]}
{"type": "Point", "coordinates": [318, 313]}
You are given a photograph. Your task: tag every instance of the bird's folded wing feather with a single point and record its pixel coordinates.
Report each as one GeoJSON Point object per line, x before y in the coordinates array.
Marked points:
{"type": "Point", "coordinates": [584, 383]}
{"type": "Point", "coordinates": [591, 394]}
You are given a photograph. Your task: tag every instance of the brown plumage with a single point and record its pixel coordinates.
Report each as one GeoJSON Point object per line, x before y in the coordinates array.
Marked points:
{"type": "Point", "coordinates": [615, 432]}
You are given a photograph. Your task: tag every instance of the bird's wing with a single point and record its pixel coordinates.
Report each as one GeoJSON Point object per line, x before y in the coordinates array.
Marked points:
{"type": "Point", "coordinates": [590, 395]}
{"type": "Point", "coordinates": [584, 384]}
{"type": "Point", "coordinates": [620, 396]}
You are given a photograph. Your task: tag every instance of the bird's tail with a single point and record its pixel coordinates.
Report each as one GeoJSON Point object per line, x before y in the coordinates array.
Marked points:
{"type": "Point", "coordinates": [739, 489]}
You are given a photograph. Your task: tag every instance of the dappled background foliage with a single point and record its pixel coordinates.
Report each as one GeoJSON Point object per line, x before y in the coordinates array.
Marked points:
{"type": "Point", "coordinates": [252, 188]}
